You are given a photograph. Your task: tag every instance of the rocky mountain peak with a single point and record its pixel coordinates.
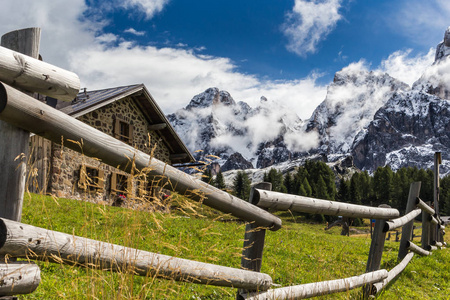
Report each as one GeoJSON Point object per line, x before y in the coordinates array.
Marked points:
{"type": "Point", "coordinates": [443, 48]}
{"type": "Point", "coordinates": [436, 78]}
{"type": "Point", "coordinates": [210, 98]}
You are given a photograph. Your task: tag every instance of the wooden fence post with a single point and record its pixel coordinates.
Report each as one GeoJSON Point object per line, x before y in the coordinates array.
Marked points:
{"type": "Point", "coordinates": [252, 252]}
{"type": "Point", "coordinates": [414, 191]}
{"type": "Point", "coordinates": [376, 250]}
{"type": "Point", "coordinates": [437, 162]}
{"type": "Point", "coordinates": [14, 142]}
{"type": "Point", "coordinates": [426, 227]}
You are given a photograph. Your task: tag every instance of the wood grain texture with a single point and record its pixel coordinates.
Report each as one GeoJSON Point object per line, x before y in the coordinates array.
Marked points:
{"type": "Point", "coordinates": [19, 278]}
{"type": "Point", "coordinates": [21, 240]}
{"type": "Point", "coordinates": [280, 201]}
{"type": "Point", "coordinates": [23, 70]}
{"type": "Point", "coordinates": [407, 229]}
{"type": "Point", "coordinates": [399, 222]}
{"type": "Point", "coordinates": [319, 288]}
{"type": "Point", "coordinates": [14, 147]}
{"type": "Point", "coordinates": [392, 274]}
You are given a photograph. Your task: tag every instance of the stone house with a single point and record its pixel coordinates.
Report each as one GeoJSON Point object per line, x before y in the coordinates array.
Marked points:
{"type": "Point", "coordinates": [128, 113]}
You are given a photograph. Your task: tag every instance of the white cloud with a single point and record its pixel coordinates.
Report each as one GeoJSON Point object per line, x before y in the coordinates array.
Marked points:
{"type": "Point", "coordinates": [149, 7]}
{"type": "Point", "coordinates": [310, 22]}
{"type": "Point", "coordinates": [134, 31]}
{"type": "Point", "coordinates": [172, 75]}
{"type": "Point", "coordinates": [402, 66]}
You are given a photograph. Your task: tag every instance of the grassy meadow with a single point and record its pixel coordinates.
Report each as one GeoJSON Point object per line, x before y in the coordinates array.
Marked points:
{"type": "Point", "coordinates": [298, 253]}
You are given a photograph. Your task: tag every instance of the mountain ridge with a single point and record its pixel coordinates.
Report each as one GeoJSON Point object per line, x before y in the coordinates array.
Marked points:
{"type": "Point", "coordinates": [367, 115]}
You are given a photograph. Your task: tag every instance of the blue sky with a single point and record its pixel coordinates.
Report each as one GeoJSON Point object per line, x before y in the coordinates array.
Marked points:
{"type": "Point", "coordinates": [285, 50]}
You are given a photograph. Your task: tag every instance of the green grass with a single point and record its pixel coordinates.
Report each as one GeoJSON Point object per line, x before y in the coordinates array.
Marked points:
{"type": "Point", "coordinates": [298, 253]}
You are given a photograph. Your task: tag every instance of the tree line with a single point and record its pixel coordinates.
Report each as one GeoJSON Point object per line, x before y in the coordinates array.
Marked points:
{"type": "Point", "coordinates": [316, 179]}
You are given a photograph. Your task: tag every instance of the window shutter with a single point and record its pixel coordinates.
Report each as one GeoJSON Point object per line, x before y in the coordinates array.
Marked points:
{"type": "Point", "coordinates": [116, 128]}
{"type": "Point", "coordinates": [129, 189]}
{"type": "Point", "coordinates": [101, 180]}
{"type": "Point", "coordinates": [130, 134]}
{"type": "Point", "coordinates": [113, 182]}
{"type": "Point", "coordinates": [82, 184]}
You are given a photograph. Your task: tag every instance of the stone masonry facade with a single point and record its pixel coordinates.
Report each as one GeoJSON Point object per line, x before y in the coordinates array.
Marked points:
{"type": "Point", "coordinates": [67, 165]}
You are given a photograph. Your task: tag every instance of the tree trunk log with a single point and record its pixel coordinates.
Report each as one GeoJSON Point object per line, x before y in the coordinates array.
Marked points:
{"type": "Point", "coordinates": [280, 201]}
{"type": "Point", "coordinates": [19, 278]}
{"type": "Point", "coordinates": [23, 70]}
{"type": "Point", "coordinates": [14, 142]}
{"type": "Point", "coordinates": [319, 288]}
{"type": "Point", "coordinates": [416, 249]}
{"type": "Point", "coordinates": [21, 240]}
{"type": "Point", "coordinates": [377, 287]}
{"type": "Point", "coordinates": [399, 222]}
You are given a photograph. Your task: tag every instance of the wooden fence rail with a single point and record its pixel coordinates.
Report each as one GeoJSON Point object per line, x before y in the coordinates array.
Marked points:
{"type": "Point", "coordinates": [19, 278]}
{"type": "Point", "coordinates": [319, 288]}
{"type": "Point", "coordinates": [399, 222]}
{"type": "Point", "coordinates": [280, 201]}
{"type": "Point", "coordinates": [26, 241]}
{"type": "Point", "coordinates": [377, 287]}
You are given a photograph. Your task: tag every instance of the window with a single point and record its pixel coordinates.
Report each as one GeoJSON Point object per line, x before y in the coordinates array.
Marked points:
{"type": "Point", "coordinates": [123, 131]}
{"type": "Point", "coordinates": [121, 185]}
{"type": "Point", "coordinates": [91, 179]}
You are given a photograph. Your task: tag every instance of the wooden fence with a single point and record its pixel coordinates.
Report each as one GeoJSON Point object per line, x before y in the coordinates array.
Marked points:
{"type": "Point", "coordinates": [17, 240]}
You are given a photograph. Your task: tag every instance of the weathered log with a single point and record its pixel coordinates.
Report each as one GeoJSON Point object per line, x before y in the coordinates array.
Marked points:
{"type": "Point", "coordinates": [375, 252]}
{"type": "Point", "coordinates": [28, 73]}
{"type": "Point", "coordinates": [280, 201]}
{"type": "Point", "coordinates": [424, 206]}
{"type": "Point", "coordinates": [27, 113]}
{"type": "Point", "coordinates": [431, 248]}
{"type": "Point", "coordinates": [407, 229]}
{"type": "Point", "coordinates": [416, 249]}
{"type": "Point", "coordinates": [14, 142]}
{"type": "Point", "coordinates": [21, 240]}
{"type": "Point", "coordinates": [319, 288]}
{"type": "Point", "coordinates": [433, 220]}
{"type": "Point", "coordinates": [392, 274]}
{"type": "Point", "coordinates": [436, 189]}
{"type": "Point", "coordinates": [19, 278]}
{"type": "Point", "coordinates": [437, 244]}
{"type": "Point", "coordinates": [426, 227]}
{"type": "Point", "coordinates": [399, 222]}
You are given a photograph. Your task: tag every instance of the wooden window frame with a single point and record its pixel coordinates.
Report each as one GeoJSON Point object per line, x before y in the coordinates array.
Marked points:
{"type": "Point", "coordinates": [91, 179]}
{"type": "Point", "coordinates": [123, 130]}
{"type": "Point", "coordinates": [118, 179]}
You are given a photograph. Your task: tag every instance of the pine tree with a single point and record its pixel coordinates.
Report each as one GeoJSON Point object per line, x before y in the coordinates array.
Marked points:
{"type": "Point", "coordinates": [276, 178]}
{"type": "Point", "coordinates": [343, 194]}
{"type": "Point", "coordinates": [219, 182]}
{"type": "Point", "coordinates": [307, 187]}
{"type": "Point", "coordinates": [354, 192]}
{"type": "Point", "coordinates": [241, 185]}
{"type": "Point", "coordinates": [322, 191]}
{"type": "Point", "coordinates": [289, 183]}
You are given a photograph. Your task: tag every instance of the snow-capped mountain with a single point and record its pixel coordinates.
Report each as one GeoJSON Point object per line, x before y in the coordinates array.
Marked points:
{"type": "Point", "coordinates": [351, 102]}
{"type": "Point", "coordinates": [213, 123]}
{"type": "Point", "coordinates": [369, 116]}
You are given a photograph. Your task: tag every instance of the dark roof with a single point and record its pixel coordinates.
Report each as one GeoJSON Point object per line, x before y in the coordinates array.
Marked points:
{"type": "Point", "coordinates": [87, 101]}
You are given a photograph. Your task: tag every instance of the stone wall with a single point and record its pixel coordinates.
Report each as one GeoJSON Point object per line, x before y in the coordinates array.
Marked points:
{"type": "Point", "coordinates": [66, 164]}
